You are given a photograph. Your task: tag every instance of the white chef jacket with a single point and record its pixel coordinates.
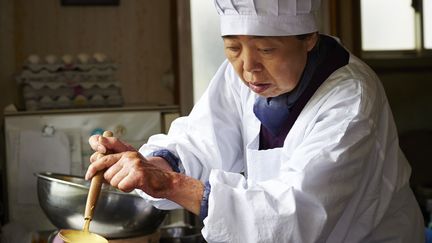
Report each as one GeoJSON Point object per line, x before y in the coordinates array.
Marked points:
{"type": "Point", "coordinates": [339, 177]}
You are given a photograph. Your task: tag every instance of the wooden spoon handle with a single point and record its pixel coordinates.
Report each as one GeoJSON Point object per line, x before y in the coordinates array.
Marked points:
{"type": "Point", "coordinates": [95, 188]}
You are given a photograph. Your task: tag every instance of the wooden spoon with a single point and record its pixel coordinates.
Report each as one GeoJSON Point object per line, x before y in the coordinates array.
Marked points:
{"type": "Point", "coordinates": [76, 236]}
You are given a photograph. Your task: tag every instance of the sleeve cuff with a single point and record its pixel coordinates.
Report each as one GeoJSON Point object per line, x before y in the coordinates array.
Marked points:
{"type": "Point", "coordinates": [204, 201]}
{"type": "Point", "coordinates": [172, 160]}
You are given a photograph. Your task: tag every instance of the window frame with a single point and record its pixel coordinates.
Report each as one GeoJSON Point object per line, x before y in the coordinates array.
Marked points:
{"type": "Point", "coordinates": [346, 24]}
{"type": "Point", "coordinates": [403, 55]}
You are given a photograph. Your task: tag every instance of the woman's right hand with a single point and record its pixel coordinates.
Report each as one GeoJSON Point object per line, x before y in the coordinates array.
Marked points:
{"type": "Point", "coordinates": [126, 169]}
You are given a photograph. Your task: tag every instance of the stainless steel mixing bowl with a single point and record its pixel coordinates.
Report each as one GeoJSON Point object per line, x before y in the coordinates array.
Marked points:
{"type": "Point", "coordinates": [117, 214]}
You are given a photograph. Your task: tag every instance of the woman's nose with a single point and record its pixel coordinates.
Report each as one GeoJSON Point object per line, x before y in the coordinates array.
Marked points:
{"type": "Point", "coordinates": [251, 65]}
{"type": "Point", "coordinates": [250, 62]}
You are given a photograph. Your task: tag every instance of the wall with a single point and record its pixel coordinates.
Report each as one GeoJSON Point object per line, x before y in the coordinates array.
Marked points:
{"type": "Point", "coordinates": [137, 35]}
{"type": "Point", "coordinates": [140, 36]}
{"type": "Point", "coordinates": [207, 45]}
{"type": "Point", "coordinates": [9, 91]}
{"type": "Point", "coordinates": [409, 94]}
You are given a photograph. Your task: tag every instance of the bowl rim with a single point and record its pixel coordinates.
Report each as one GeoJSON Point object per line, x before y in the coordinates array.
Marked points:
{"type": "Point", "coordinates": [51, 176]}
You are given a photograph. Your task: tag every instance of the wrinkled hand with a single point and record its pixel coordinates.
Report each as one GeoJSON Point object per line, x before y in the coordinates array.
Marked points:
{"type": "Point", "coordinates": [126, 169]}
{"type": "Point", "coordinates": [130, 170]}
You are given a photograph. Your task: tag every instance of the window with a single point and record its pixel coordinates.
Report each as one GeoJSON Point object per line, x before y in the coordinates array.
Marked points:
{"type": "Point", "coordinates": [396, 25]}
{"type": "Point", "coordinates": [427, 23]}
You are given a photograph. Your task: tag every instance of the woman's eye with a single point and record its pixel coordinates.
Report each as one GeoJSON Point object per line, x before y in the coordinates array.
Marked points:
{"type": "Point", "coordinates": [232, 48]}
{"type": "Point", "coordinates": [266, 50]}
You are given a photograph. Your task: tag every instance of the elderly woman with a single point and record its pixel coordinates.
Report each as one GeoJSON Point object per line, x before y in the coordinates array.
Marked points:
{"type": "Point", "coordinates": [293, 141]}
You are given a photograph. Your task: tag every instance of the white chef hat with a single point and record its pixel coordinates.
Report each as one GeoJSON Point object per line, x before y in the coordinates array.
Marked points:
{"type": "Point", "coordinates": [267, 17]}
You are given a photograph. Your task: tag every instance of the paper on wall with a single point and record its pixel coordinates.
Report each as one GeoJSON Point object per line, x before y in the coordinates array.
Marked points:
{"type": "Point", "coordinates": [76, 161]}
{"type": "Point", "coordinates": [40, 153]}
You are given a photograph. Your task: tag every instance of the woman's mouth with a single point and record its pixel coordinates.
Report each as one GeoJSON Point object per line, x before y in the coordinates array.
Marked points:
{"type": "Point", "coordinates": [259, 87]}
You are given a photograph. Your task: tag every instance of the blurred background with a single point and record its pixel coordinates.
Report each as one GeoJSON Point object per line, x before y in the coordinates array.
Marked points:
{"type": "Point", "coordinates": [76, 68]}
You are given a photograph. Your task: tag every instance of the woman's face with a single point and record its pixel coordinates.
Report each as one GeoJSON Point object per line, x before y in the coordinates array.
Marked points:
{"type": "Point", "coordinates": [269, 66]}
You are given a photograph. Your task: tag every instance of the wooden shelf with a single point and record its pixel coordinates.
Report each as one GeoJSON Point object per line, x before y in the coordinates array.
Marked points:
{"type": "Point", "coordinates": [162, 108]}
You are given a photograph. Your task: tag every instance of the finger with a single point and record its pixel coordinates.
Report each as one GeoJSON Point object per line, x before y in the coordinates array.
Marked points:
{"type": "Point", "coordinates": [111, 144]}
{"type": "Point", "coordinates": [118, 177]}
{"type": "Point", "coordinates": [112, 171]}
{"type": "Point", "coordinates": [130, 163]}
{"type": "Point", "coordinates": [128, 183]}
{"type": "Point", "coordinates": [95, 156]}
{"type": "Point", "coordinates": [95, 144]}
{"type": "Point", "coordinates": [101, 164]}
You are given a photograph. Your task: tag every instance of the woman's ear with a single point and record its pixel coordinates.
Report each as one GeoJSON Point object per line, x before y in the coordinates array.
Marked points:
{"type": "Point", "coordinates": [311, 40]}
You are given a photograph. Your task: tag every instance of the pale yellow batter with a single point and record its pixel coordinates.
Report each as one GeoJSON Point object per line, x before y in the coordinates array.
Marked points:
{"type": "Point", "coordinates": [77, 236]}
